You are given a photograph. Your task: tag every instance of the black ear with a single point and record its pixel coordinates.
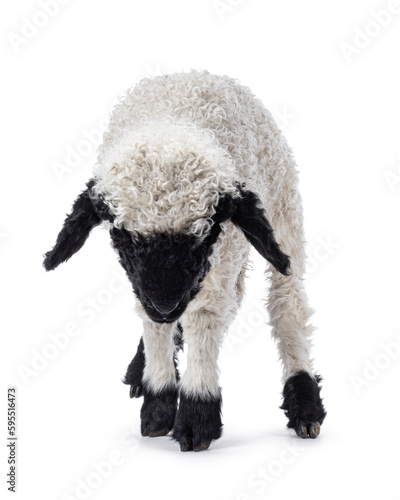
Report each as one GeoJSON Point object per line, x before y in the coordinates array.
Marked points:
{"type": "Point", "coordinates": [75, 231]}
{"type": "Point", "coordinates": [250, 217]}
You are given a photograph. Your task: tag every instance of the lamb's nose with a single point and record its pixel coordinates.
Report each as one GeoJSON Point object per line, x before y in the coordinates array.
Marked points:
{"type": "Point", "coordinates": [164, 310]}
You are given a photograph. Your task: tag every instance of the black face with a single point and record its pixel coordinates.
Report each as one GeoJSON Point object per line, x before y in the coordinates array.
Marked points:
{"type": "Point", "coordinates": [165, 270]}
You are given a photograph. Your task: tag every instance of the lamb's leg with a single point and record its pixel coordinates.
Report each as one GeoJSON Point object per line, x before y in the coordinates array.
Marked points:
{"type": "Point", "coordinates": [289, 317]}
{"type": "Point", "coordinates": [198, 421]}
{"type": "Point", "coordinates": [155, 374]}
{"type": "Point", "coordinates": [134, 373]}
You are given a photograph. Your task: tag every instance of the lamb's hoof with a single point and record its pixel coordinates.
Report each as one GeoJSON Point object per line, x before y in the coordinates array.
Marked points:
{"type": "Point", "coordinates": [135, 391]}
{"type": "Point", "coordinates": [185, 445]}
{"type": "Point", "coordinates": [197, 423]}
{"type": "Point", "coordinates": [310, 430]}
{"type": "Point", "coordinates": [151, 427]}
{"type": "Point", "coordinates": [204, 445]}
{"type": "Point", "coordinates": [303, 404]}
{"type": "Point", "coordinates": [158, 412]}
{"type": "Point", "coordinates": [155, 432]}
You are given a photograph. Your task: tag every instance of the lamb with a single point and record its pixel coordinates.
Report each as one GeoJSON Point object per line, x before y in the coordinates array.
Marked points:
{"type": "Point", "coordinates": [190, 166]}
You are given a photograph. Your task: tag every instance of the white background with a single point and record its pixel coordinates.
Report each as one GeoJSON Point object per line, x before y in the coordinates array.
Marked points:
{"type": "Point", "coordinates": [330, 74]}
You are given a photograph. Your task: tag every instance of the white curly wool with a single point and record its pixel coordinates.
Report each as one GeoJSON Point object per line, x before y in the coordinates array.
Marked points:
{"type": "Point", "coordinates": [174, 143]}
{"type": "Point", "coordinates": [176, 173]}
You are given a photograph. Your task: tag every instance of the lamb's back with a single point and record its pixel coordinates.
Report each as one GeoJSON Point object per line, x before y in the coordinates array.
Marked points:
{"type": "Point", "coordinates": [218, 103]}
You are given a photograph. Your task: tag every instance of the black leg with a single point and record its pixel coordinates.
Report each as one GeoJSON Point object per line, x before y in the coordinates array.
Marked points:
{"type": "Point", "coordinates": [134, 373]}
{"type": "Point", "coordinates": [303, 404]}
{"type": "Point", "coordinates": [158, 411]}
{"type": "Point", "coordinates": [198, 422]}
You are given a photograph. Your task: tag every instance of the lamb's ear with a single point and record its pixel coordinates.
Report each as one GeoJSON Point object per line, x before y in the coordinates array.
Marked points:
{"type": "Point", "coordinates": [250, 217]}
{"type": "Point", "coordinates": [75, 231]}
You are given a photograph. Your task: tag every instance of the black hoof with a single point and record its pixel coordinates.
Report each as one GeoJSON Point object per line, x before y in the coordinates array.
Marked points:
{"type": "Point", "coordinates": [311, 430]}
{"type": "Point", "coordinates": [135, 391]}
{"type": "Point", "coordinates": [185, 445]}
{"type": "Point", "coordinates": [197, 423]}
{"type": "Point", "coordinates": [188, 445]}
{"type": "Point", "coordinates": [158, 412]}
{"type": "Point", "coordinates": [204, 445]}
{"type": "Point", "coordinates": [303, 405]}
{"type": "Point", "coordinates": [154, 432]}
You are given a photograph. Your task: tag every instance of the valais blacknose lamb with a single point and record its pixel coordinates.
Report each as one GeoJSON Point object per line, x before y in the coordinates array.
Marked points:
{"type": "Point", "coordinates": [193, 171]}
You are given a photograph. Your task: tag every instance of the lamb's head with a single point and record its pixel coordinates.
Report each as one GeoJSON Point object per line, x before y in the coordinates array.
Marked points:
{"type": "Point", "coordinates": [166, 269]}
{"type": "Point", "coordinates": [165, 207]}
